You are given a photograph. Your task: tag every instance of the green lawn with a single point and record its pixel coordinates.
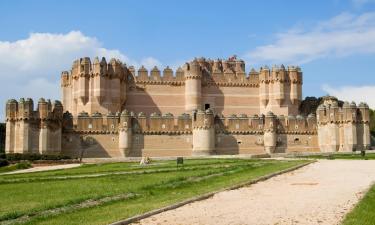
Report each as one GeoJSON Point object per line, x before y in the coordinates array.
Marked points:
{"type": "Point", "coordinates": [364, 212]}
{"type": "Point", "coordinates": [60, 197]}
{"type": "Point", "coordinates": [368, 156]}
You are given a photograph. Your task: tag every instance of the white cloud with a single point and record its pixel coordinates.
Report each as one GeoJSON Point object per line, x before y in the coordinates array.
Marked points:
{"type": "Point", "coordinates": [343, 35]}
{"type": "Point", "coordinates": [353, 93]}
{"type": "Point", "coordinates": [31, 67]}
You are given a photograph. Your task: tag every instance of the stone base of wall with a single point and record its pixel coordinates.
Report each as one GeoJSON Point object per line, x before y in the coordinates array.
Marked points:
{"type": "Point", "coordinates": [106, 145]}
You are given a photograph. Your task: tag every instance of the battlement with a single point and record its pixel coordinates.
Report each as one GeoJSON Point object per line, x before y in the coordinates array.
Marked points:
{"type": "Point", "coordinates": [155, 76]}
{"type": "Point", "coordinates": [229, 72]}
{"type": "Point", "coordinates": [156, 123]}
{"type": "Point", "coordinates": [24, 110]}
{"type": "Point", "coordinates": [330, 112]}
{"type": "Point", "coordinates": [292, 74]}
{"type": "Point", "coordinates": [270, 122]}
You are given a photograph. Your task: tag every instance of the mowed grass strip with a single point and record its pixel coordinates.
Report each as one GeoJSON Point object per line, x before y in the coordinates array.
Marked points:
{"type": "Point", "coordinates": [168, 191]}
{"type": "Point", "coordinates": [367, 156]}
{"type": "Point", "coordinates": [141, 170]}
{"type": "Point", "coordinates": [30, 197]}
{"type": "Point", "coordinates": [92, 169]}
{"type": "Point", "coordinates": [364, 212]}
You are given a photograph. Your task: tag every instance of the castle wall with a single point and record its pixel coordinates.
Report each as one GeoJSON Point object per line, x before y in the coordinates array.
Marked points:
{"type": "Point", "coordinates": [114, 111]}
{"type": "Point", "coordinates": [156, 98]}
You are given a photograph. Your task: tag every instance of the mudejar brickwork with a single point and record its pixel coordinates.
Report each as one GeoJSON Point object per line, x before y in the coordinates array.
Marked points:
{"type": "Point", "coordinates": [205, 107]}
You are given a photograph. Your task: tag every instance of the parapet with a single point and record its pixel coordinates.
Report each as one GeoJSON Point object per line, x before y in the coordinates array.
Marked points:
{"type": "Point", "coordinates": [330, 112]}
{"type": "Point", "coordinates": [155, 76]}
{"type": "Point", "coordinates": [153, 124]}
{"type": "Point", "coordinates": [257, 124]}
{"type": "Point", "coordinates": [221, 72]}
{"type": "Point", "coordinates": [24, 110]}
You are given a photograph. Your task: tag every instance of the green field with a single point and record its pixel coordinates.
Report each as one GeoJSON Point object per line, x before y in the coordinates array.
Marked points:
{"type": "Point", "coordinates": [364, 212]}
{"type": "Point", "coordinates": [368, 156]}
{"type": "Point", "coordinates": [105, 193]}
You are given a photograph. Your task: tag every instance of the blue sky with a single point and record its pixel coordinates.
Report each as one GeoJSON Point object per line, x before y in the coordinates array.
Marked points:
{"type": "Point", "coordinates": [332, 40]}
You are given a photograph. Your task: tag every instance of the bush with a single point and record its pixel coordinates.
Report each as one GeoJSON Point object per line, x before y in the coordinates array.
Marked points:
{"type": "Point", "coordinates": [3, 162]}
{"type": "Point", "coordinates": [33, 157]}
{"type": "Point", "coordinates": [23, 165]}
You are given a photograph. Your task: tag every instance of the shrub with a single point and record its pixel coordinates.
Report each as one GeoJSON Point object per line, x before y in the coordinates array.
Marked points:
{"type": "Point", "coordinates": [23, 165]}
{"type": "Point", "coordinates": [33, 157]}
{"type": "Point", "coordinates": [3, 162]}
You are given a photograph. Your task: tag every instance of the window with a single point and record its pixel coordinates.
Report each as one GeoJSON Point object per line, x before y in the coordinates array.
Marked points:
{"type": "Point", "coordinates": [206, 106]}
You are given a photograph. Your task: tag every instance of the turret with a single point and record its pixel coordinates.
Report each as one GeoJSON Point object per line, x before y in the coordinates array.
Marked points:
{"type": "Point", "coordinates": [11, 114]}
{"type": "Point", "coordinates": [295, 77]}
{"type": "Point", "coordinates": [193, 76]}
{"type": "Point", "coordinates": [270, 126]}
{"type": "Point", "coordinates": [349, 127]}
{"type": "Point", "coordinates": [44, 131]}
{"type": "Point", "coordinates": [328, 125]}
{"type": "Point", "coordinates": [100, 80]}
{"type": "Point", "coordinates": [278, 76]}
{"type": "Point", "coordinates": [365, 126]}
{"type": "Point", "coordinates": [83, 80]}
{"type": "Point", "coordinates": [203, 133]}
{"type": "Point", "coordinates": [263, 86]}
{"type": "Point", "coordinates": [66, 89]}
{"type": "Point", "coordinates": [125, 133]}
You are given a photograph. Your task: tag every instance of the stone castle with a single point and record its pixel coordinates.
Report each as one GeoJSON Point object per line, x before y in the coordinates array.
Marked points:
{"type": "Point", "coordinates": [206, 107]}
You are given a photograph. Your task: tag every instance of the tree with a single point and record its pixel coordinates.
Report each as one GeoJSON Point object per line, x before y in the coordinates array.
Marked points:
{"type": "Point", "coordinates": [2, 137]}
{"type": "Point", "coordinates": [372, 122]}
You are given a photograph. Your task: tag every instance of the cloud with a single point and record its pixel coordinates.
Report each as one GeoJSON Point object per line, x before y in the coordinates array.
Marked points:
{"type": "Point", "coordinates": [360, 3]}
{"type": "Point", "coordinates": [343, 35]}
{"type": "Point", "coordinates": [353, 93]}
{"type": "Point", "coordinates": [31, 67]}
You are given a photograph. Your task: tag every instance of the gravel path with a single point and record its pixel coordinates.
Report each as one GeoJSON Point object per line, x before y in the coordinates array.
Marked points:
{"type": "Point", "coordinates": [320, 193]}
{"type": "Point", "coordinates": [45, 168]}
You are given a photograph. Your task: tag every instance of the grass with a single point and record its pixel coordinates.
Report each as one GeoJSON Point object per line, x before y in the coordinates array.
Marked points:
{"type": "Point", "coordinates": [368, 156]}
{"type": "Point", "coordinates": [153, 186]}
{"type": "Point", "coordinates": [364, 212]}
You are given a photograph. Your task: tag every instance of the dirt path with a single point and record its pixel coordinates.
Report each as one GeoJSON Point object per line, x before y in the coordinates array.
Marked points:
{"type": "Point", "coordinates": [45, 168]}
{"type": "Point", "coordinates": [320, 193]}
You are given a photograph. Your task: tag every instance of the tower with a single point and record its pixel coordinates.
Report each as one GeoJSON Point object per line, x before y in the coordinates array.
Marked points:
{"type": "Point", "coordinates": [270, 127]}
{"type": "Point", "coordinates": [25, 113]}
{"type": "Point", "coordinates": [364, 125]}
{"type": "Point", "coordinates": [11, 117]}
{"type": "Point", "coordinates": [193, 76]}
{"type": "Point", "coordinates": [349, 121]}
{"type": "Point", "coordinates": [203, 133]}
{"type": "Point", "coordinates": [125, 133]}
{"type": "Point", "coordinates": [278, 77]}
{"type": "Point", "coordinates": [97, 87]}
{"type": "Point", "coordinates": [44, 131]}
{"type": "Point", "coordinates": [264, 86]}
{"type": "Point", "coordinates": [295, 77]}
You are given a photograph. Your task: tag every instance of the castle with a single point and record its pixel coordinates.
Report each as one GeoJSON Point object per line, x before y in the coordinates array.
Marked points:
{"type": "Point", "coordinates": [206, 107]}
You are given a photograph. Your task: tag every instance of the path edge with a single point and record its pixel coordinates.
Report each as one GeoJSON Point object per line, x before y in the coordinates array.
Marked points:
{"type": "Point", "coordinates": [207, 195]}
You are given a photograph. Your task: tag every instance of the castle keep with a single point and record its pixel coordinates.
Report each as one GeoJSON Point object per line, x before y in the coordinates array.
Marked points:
{"type": "Point", "coordinates": [206, 107]}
